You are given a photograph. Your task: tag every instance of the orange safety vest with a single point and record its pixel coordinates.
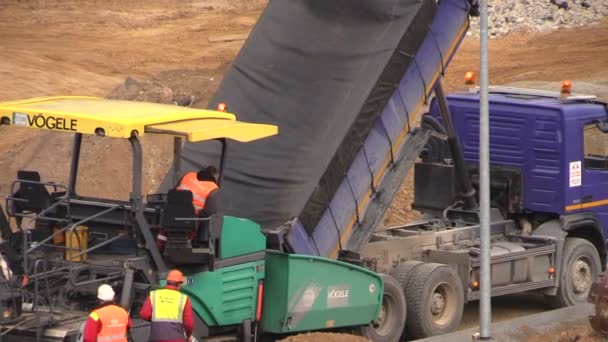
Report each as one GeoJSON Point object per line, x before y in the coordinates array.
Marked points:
{"type": "Point", "coordinates": [200, 190]}
{"type": "Point", "coordinates": [114, 321]}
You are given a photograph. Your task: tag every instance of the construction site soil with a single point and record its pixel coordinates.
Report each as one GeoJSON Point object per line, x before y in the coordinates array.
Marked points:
{"type": "Point", "coordinates": [177, 51]}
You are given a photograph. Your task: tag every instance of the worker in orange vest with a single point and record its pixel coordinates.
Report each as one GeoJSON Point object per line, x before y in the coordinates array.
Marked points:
{"type": "Point", "coordinates": [201, 184]}
{"type": "Point", "coordinates": [169, 311]}
{"type": "Point", "coordinates": [109, 322]}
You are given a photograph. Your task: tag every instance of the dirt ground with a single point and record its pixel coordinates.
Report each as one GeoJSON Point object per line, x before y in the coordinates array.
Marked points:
{"type": "Point", "coordinates": [331, 337]}
{"type": "Point", "coordinates": [89, 47]}
{"type": "Point", "coordinates": [581, 332]}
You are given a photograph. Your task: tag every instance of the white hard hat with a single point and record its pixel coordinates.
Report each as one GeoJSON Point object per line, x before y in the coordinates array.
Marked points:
{"type": "Point", "coordinates": [105, 293]}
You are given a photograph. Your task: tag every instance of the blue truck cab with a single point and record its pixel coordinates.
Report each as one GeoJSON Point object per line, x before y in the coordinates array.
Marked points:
{"type": "Point", "coordinates": [548, 155]}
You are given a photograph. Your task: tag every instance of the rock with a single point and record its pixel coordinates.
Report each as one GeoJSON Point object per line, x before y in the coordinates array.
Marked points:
{"type": "Point", "coordinates": [165, 95]}
{"type": "Point", "coordinates": [183, 100]}
{"type": "Point", "coordinates": [130, 82]}
{"type": "Point", "coordinates": [506, 16]}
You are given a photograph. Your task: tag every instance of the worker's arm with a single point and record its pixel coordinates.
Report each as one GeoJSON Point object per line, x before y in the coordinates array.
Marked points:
{"type": "Point", "coordinates": [146, 310]}
{"type": "Point", "coordinates": [188, 318]}
{"type": "Point", "coordinates": [92, 328]}
{"type": "Point", "coordinates": [161, 240]}
{"type": "Point", "coordinates": [12, 258]}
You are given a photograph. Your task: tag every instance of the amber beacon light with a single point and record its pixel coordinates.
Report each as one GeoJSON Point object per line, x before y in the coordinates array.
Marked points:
{"type": "Point", "coordinates": [469, 78]}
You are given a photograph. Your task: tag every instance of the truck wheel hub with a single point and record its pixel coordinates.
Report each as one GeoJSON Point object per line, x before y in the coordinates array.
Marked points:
{"type": "Point", "coordinates": [382, 315]}
{"type": "Point", "coordinates": [384, 321]}
{"type": "Point", "coordinates": [581, 277]}
{"type": "Point", "coordinates": [437, 304]}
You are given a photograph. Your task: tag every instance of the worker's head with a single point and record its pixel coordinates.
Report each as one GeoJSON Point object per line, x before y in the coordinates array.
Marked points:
{"type": "Point", "coordinates": [175, 278]}
{"type": "Point", "coordinates": [209, 174]}
{"type": "Point", "coordinates": [105, 293]}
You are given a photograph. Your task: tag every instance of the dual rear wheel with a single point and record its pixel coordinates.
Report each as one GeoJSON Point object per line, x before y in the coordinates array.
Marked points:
{"type": "Point", "coordinates": [422, 299]}
{"type": "Point", "coordinates": [435, 298]}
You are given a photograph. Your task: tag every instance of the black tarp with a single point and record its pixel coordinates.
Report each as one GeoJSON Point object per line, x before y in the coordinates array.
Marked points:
{"type": "Point", "coordinates": [322, 71]}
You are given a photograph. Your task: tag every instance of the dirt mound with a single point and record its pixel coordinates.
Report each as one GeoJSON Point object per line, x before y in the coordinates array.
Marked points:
{"type": "Point", "coordinates": [322, 337]}
{"type": "Point", "coordinates": [182, 87]}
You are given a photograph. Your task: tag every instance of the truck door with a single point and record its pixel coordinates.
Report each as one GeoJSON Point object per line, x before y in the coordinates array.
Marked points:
{"type": "Point", "coordinates": [595, 173]}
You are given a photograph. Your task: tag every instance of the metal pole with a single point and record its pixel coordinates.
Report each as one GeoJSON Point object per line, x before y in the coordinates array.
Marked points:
{"type": "Point", "coordinates": [177, 156]}
{"type": "Point", "coordinates": [485, 307]}
{"type": "Point", "coordinates": [127, 285]}
{"type": "Point", "coordinates": [137, 207]}
{"type": "Point", "coordinates": [74, 165]}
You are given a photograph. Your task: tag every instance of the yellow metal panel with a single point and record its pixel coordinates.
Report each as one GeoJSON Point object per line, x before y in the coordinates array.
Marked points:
{"type": "Point", "coordinates": [81, 114]}
{"type": "Point", "coordinates": [207, 129]}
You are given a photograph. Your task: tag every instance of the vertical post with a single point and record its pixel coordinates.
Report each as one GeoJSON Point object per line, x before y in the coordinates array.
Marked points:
{"type": "Point", "coordinates": [177, 156]}
{"type": "Point", "coordinates": [136, 183]}
{"type": "Point", "coordinates": [74, 164]}
{"type": "Point", "coordinates": [485, 307]}
{"type": "Point", "coordinates": [222, 161]}
{"type": "Point", "coordinates": [127, 285]}
{"type": "Point", "coordinates": [137, 207]}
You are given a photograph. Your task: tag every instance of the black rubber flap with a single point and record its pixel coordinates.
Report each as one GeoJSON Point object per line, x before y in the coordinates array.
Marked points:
{"type": "Point", "coordinates": [322, 71]}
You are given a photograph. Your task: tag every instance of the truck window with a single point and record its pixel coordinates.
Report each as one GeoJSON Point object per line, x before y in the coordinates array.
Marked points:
{"type": "Point", "coordinates": [596, 148]}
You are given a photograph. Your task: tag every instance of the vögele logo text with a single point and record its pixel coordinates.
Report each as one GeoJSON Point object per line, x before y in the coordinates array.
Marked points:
{"type": "Point", "coordinates": [335, 294]}
{"type": "Point", "coordinates": [52, 122]}
{"type": "Point", "coordinates": [338, 295]}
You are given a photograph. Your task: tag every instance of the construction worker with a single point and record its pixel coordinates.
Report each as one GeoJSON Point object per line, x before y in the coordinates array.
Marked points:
{"type": "Point", "coordinates": [201, 184]}
{"type": "Point", "coordinates": [109, 322]}
{"type": "Point", "coordinates": [169, 311]}
{"type": "Point", "coordinates": [10, 264]}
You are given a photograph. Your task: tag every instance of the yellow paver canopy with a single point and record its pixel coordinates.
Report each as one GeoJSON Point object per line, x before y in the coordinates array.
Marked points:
{"type": "Point", "coordinates": [118, 118]}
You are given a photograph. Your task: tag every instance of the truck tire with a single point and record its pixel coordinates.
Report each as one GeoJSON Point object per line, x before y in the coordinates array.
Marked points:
{"type": "Point", "coordinates": [392, 315]}
{"type": "Point", "coordinates": [580, 268]}
{"type": "Point", "coordinates": [435, 301]}
{"type": "Point", "coordinates": [404, 270]}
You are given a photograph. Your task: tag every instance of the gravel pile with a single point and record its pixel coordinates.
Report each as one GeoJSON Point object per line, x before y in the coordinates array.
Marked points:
{"type": "Point", "coordinates": [506, 16]}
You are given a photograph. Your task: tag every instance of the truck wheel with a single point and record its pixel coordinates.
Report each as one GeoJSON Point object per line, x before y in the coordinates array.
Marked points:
{"type": "Point", "coordinates": [391, 319]}
{"type": "Point", "coordinates": [404, 270]}
{"type": "Point", "coordinates": [435, 301]}
{"type": "Point", "coordinates": [580, 268]}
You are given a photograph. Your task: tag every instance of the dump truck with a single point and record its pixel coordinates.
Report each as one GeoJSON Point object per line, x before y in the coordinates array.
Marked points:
{"type": "Point", "coordinates": [236, 277]}
{"type": "Point", "coordinates": [548, 228]}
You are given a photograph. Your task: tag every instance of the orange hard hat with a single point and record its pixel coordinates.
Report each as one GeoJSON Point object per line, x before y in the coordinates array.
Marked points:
{"type": "Point", "coordinates": [175, 276]}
